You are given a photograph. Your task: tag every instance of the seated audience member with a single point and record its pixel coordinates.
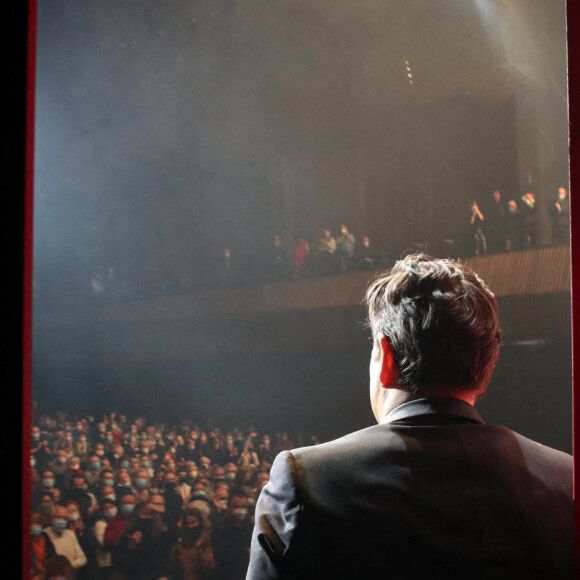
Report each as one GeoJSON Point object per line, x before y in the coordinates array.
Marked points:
{"type": "Point", "coordinates": [78, 492]}
{"type": "Point", "coordinates": [283, 442]}
{"type": "Point", "coordinates": [192, 553]}
{"type": "Point", "coordinates": [173, 502]}
{"type": "Point", "coordinates": [45, 505]}
{"type": "Point", "coordinates": [85, 536]}
{"type": "Point", "coordinates": [183, 488]}
{"type": "Point", "coordinates": [118, 523]}
{"type": "Point", "coordinates": [46, 484]}
{"type": "Point", "coordinates": [92, 470]}
{"type": "Point", "coordinates": [42, 547]}
{"type": "Point", "coordinates": [108, 510]}
{"type": "Point", "coordinates": [65, 541]}
{"type": "Point", "coordinates": [40, 448]}
{"type": "Point", "coordinates": [231, 472]}
{"type": "Point", "coordinates": [219, 501]}
{"type": "Point", "coordinates": [145, 545]}
{"type": "Point", "coordinates": [60, 470]}
{"type": "Point", "coordinates": [231, 537]}
{"type": "Point", "coordinates": [140, 487]}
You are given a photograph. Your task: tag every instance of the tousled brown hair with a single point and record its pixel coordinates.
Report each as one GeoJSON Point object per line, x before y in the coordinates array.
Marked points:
{"type": "Point", "coordinates": [441, 321]}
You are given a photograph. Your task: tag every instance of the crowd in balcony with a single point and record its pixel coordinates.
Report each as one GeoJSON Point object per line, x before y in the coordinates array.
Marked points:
{"type": "Point", "coordinates": [497, 225]}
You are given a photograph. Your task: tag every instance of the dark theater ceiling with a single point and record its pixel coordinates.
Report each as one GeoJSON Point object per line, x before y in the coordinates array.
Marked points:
{"type": "Point", "coordinates": [175, 118]}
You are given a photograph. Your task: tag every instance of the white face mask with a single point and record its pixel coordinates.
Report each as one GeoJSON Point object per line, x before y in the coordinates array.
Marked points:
{"type": "Point", "coordinates": [239, 514]}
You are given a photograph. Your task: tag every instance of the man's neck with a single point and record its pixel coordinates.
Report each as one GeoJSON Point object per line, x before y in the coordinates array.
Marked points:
{"type": "Point", "coordinates": [396, 397]}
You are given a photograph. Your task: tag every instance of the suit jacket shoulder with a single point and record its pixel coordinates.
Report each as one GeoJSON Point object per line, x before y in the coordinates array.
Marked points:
{"type": "Point", "coordinates": [419, 500]}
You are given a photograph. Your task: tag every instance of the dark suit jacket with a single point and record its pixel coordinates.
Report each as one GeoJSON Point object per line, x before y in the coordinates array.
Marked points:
{"type": "Point", "coordinates": [431, 492]}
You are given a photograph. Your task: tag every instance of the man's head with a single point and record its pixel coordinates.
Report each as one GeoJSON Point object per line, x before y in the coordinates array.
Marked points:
{"type": "Point", "coordinates": [220, 497]}
{"type": "Point", "coordinates": [218, 473]}
{"type": "Point", "coordinates": [439, 320]}
{"type": "Point", "coordinates": [158, 501]}
{"type": "Point", "coordinates": [79, 482]}
{"type": "Point", "coordinates": [59, 519]}
{"type": "Point", "coordinates": [128, 503]}
{"type": "Point", "coordinates": [237, 509]}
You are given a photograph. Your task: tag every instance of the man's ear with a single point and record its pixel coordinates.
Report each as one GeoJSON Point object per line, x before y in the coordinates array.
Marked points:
{"type": "Point", "coordinates": [389, 371]}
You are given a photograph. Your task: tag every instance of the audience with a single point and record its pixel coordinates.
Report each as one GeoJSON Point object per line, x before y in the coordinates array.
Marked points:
{"type": "Point", "coordinates": [143, 500]}
{"type": "Point", "coordinates": [498, 224]}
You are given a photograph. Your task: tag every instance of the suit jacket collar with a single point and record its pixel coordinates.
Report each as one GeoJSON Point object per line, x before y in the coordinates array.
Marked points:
{"type": "Point", "coordinates": [441, 407]}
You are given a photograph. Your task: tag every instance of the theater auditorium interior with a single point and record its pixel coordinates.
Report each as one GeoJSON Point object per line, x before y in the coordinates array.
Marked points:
{"type": "Point", "coordinates": [189, 155]}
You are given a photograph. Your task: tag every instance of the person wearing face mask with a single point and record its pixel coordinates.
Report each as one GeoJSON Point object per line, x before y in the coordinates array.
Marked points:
{"type": "Point", "coordinates": [60, 469]}
{"type": "Point", "coordinates": [189, 452]}
{"type": "Point", "coordinates": [106, 493]}
{"type": "Point", "coordinates": [116, 455]}
{"type": "Point", "coordinates": [183, 488]}
{"type": "Point", "coordinates": [45, 484]}
{"type": "Point", "coordinates": [144, 548]}
{"type": "Point", "coordinates": [173, 502]}
{"type": "Point", "coordinates": [86, 500]}
{"type": "Point", "coordinates": [81, 446]}
{"type": "Point", "coordinates": [108, 510]}
{"type": "Point", "coordinates": [230, 451]}
{"type": "Point", "coordinates": [147, 465]}
{"type": "Point", "coordinates": [192, 554]}
{"type": "Point", "coordinates": [249, 457]}
{"type": "Point", "coordinates": [266, 452]}
{"type": "Point", "coordinates": [117, 524]}
{"type": "Point", "coordinates": [40, 448]}
{"type": "Point", "coordinates": [45, 507]}
{"type": "Point", "coordinates": [192, 473]}
{"type": "Point", "coordinates": [141, 485]}
{"type": "Point", "coordinates": [219, 501]}
{"type": "Point", "coordinates": [123, 484]}
{"type": "Point", "coordinates": [64, 540]}
{"type": "Point", "coordinates": [231, 470]}
{"type": "Point", "coordinates": [231, 538]}
{"type": "Point", "coordinates": [106, 480]}
{"type": "Point", "coordinates": [283, 443]}
{"type": "Point", "coordinates": [85, 536]}
{"type": "Point", "coordinates": [92, 470]}
{"type": "Point", "coordinates": [41, 547]}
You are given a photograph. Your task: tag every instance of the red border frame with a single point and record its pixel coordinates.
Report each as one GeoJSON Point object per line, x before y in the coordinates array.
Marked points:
{"type": "Point", "coordinates": [30, 23]}
{"type": "Point", "coordinates": [573, 17]}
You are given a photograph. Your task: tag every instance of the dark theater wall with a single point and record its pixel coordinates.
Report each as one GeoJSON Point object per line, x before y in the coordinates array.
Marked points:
{"type": "Point", "coordinates": [321, 392]}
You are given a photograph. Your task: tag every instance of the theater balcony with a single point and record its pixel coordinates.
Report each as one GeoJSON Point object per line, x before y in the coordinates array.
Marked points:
{"type": "Point", "coordinates": [533, 290]}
